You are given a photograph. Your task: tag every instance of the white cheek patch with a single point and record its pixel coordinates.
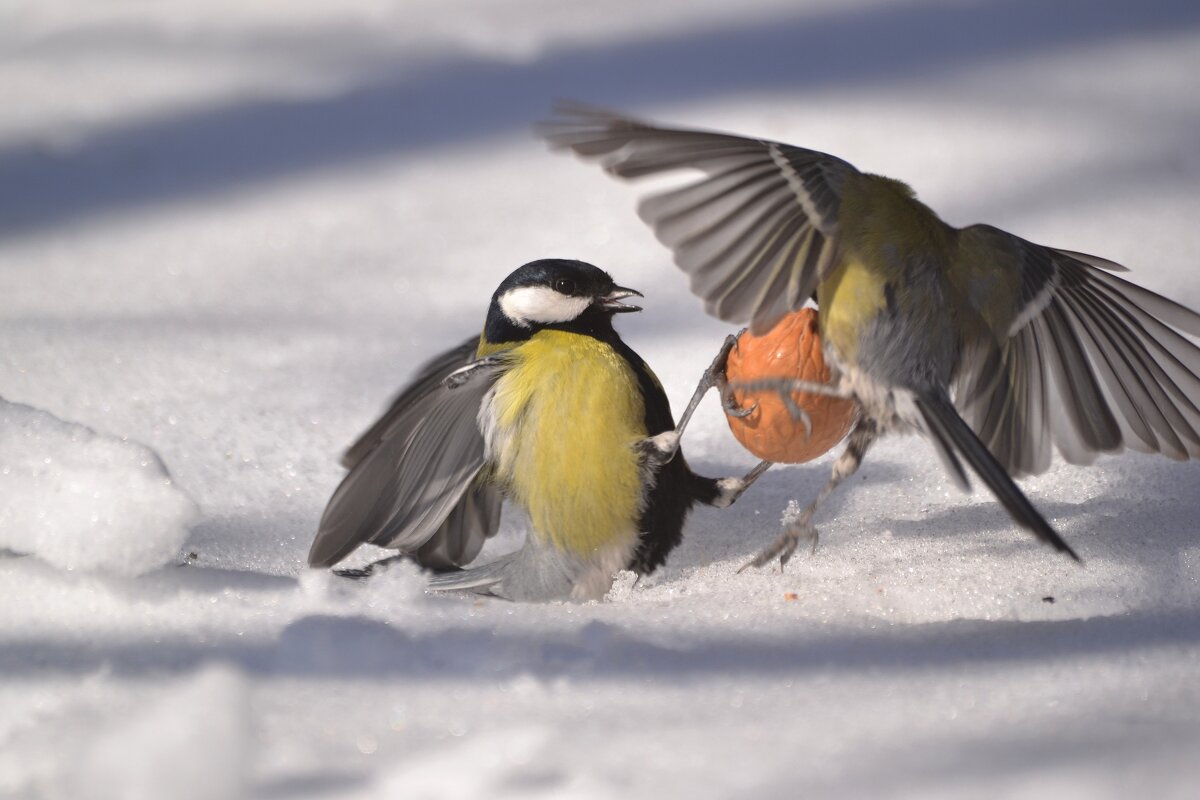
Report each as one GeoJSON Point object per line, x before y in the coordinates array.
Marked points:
{"type": "Point", "coordinates": [541, 304]}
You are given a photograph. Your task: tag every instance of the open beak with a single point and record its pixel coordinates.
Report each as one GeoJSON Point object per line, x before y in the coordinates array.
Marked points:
{"type": "Point", "coordinates": [612, 300]}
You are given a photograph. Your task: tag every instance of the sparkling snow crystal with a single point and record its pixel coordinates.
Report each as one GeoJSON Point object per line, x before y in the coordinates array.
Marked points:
{"type": "Point", "coordinates": [82, 500]}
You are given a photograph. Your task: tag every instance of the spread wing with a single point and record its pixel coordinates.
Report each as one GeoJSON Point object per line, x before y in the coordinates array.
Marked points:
{"type": "Point", "coordinates": [755, 231]}
{"type": "Point", "coordinates": [429, 375]}
{"type": "Point", "coordinates": [1081, 358]}
{"type": "Point", "coordinates": [415, 480]}
{"type": "Point", "coordinates": [1088, 362]}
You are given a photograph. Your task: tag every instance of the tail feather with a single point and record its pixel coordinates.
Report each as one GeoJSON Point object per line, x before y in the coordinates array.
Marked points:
{"type": "Point", "coordinates": [537, 573]}
{"type": "Point", "coordinates": [950, 460]}
{"type": "Point", "coordinates": [477, 579]}
{"type": "Point", "coordinates": [951, 435]}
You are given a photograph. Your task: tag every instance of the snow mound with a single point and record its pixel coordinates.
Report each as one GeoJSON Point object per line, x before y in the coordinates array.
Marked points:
{"type": "Point", "coordinates": [194, 744]}
{"type": "Point", "coordinates": [81, 500]}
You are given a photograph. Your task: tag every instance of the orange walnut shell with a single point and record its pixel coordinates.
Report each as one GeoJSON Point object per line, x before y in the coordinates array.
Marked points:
{"type": "Point", "coordinates": [792, 349]}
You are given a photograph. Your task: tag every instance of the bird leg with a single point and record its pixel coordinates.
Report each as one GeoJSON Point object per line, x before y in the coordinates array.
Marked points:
{"type": "Point", "coordinates": [728, 403]}
{"type": "Point", "coordinates": [732, 488]}
{"type": "Point", "coordinates": [860, 440]}
{"type": "Point", "coordinates": [664, 446]}
{"type": "Point", "coordinates": [714, 378]}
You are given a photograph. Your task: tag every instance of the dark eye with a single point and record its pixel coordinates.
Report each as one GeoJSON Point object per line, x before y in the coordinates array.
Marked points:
{"type": "Point", "coordinates": [564, 286]}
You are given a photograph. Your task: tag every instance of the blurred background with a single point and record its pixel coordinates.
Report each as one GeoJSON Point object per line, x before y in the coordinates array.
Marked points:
{"type": "Point", "coordinates": [228, 230]}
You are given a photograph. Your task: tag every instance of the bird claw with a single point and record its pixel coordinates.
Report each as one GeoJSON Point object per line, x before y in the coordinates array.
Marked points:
{"type": "Point", "coordinates": [729, 404]}
{"type": "Point", "coordinates": [721, 383]}
{"type": "Point", "coordinates": [362, 573]}
{"type": "Point", "coordinates": [714, 375]}
{"type": "Point", "coordinates": [732, 342]}
{"type": "Point", "coordinates": [354, 573]}
{"type": "Point", "coordinates": [785, 546]}
{"type": "Point", "coordinates": [798, 413]}
{"type": "Point", "coordinates": [786, 388]}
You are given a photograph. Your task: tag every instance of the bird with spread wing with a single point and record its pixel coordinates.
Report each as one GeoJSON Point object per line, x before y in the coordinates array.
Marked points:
{"type": "Point", "coordinates": [996, 349]}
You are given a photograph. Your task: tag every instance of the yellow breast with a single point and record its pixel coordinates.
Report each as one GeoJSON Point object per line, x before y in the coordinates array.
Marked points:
{"type": "Point", "coordinates": [849, 298]}
{"type": "Point", "coordinates": [566, 416]}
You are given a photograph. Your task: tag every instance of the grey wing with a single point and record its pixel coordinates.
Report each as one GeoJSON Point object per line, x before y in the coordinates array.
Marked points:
{"type": "Point", "coordinates": [472, 522]}
{"type": "Point", "coordinates": [428, 376]}
{"type": "Point", "coordinates": [755, 232]}
{"type": "Point", "coordinates": [1092, 363]}
{"type": "Point", "coordinates": [418, 489]}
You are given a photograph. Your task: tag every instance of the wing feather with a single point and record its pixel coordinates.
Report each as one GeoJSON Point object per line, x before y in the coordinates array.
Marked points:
{"type": "Point", "coordinates": [754, 231]}
{"type": "Point", "coordinates": [419, 482]}
{"type": "Point", "coordinates": [1092, 363]}
{"type": "Point", "coordinates": [428, 376]}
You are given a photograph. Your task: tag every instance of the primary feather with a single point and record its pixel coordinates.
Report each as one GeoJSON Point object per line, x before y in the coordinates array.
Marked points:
{"type": "Point", "coordinates": [416, 487]}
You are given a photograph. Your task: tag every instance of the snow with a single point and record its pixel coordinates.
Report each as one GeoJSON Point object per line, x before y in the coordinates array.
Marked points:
{"type": "Point", "coordinates": [195, 743]}
{"type": "Point", "coordinates": [227, 231]}
{"type": "Point", "coordinates": [81, 500]}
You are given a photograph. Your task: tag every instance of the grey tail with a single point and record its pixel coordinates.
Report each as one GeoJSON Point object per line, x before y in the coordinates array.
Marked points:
{"type": "Point", "coordinates": [951, 435]}
{"type": "Point", "coordinates": [479, 579]}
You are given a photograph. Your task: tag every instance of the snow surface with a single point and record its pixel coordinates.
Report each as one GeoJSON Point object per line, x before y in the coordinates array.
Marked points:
{"type": "Point", "coordinates": [228, 229]}
{"type": "Point", "coordinates": [153, 756]}
{"type": "Point", "coordinates": [80, 500]}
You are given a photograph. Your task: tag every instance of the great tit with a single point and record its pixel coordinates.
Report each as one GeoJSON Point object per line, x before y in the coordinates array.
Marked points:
{"type": "Point", "coordinates": [548, 408]}
{"type": "Point", "coordinates": [995, 348]}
